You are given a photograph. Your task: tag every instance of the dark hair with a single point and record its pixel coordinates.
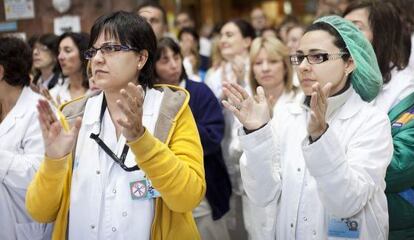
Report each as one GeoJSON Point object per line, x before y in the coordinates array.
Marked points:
{"type": "Point", "coordinates": [32, 40]}
{"type": "Point", "coordinates": [153, 4]}
{"type": "Point", "coordinates": [81, 41]}
{"type": "Point", "coordinates": [16, 59]}
{"type": "Point", "coordinates": [49, 40]}
{"type": "Point", "coordinates": [405, 9]}
{"type": "Point", "coordinates": [132, 30]}
{"type": "Point", "coordinates": [391, 43]}
{"type": "Point", "coordinates": [168, 43]}
{"type": "Point", "coordinates": [192, 32]}
{"type": "Point", "coordinates": [339, 41]}
{"type": "Point", "coordinates": [246, 29]}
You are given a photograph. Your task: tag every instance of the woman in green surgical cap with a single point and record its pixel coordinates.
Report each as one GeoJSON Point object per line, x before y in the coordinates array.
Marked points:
{"type": "Point", "coordinates": [323, 159]}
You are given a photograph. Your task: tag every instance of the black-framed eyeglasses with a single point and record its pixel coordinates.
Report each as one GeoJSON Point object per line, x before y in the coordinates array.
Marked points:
{"type": "Point", "coordinates": [107, 49]}
{"type": "Point", "coordinates": [315, 58]}
{"type": "Point", "coordinates": [107, 150]}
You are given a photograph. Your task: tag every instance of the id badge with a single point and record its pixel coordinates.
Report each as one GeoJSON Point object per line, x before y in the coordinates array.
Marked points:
{"type": "Point", "coordinates": [343, 228]}
{"type": "Point", "coordinates": [143, 189]}
{"type": "Point", "coordinates": [152, 192]}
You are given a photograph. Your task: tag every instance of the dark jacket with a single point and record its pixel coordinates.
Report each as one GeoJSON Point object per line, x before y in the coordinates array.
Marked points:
{"type": "Point", "coordinates": [400, 172]}
{"type": "Point", "coordinates": [210, 123]}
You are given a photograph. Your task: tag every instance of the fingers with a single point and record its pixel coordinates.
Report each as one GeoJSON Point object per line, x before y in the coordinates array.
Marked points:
{"type": "Point", "coordinates": [232, 99]}
{"type": "Point", "coordinates": [231, 108]}
{"type": "Point", "coordinates": [261, 94]}
{"type": "Point", "coordinates": [34, 87]}
{"type": "Point", "coordinates": [241, 90]}
{"type": "Point", "coordinates": [44, 124]}
{"type": "Point", "coordinates": [136, 93]}
{"type": "Point", "coordinates": [313, 101]}
{"type": "Point", "coordinates": [45, 92]}
{"type": "Point", "coordinates": [132, 100]}
{"type": "Point", "coordinates": [124, 123]}
{"type": "Point", "coordinates": [48, 114]}
{"type": "Point", "coordinates": [327, 89]}
{"type": "Point", "coordinates": [234, 93]}
{"type": "Point", "coordinates": [76, 127]}
{"type": "Point", "coordinates": [126, 110]}
{"type": "Point", "coordinates": [131, 105]}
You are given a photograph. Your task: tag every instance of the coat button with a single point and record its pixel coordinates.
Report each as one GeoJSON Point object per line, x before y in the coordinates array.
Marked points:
{"type": "Point", "coordinates": [124, 214]}
{"type": "Point", "coordinates": [98, 172]}
{"type": "Point", "coordinates": [113, 229]}
{"type": "Point", "coordinates": [298, 169]}
{"type": "Point", "coordinates": [92, 226]}
{"type": "Point", "coordinates": [291, 225]}
{"type": "Point", "coordinates": [305, 219]}
{"type": "Point", "coordinates": [314, 232]}
{"type": "Point", "coordinates": [114, 191]}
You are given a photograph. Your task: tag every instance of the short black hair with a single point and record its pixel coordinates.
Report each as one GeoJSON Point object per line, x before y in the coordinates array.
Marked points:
{"type": "Point", "coordinates": [246, 29]}
{"type": "Point", "coordinates": [165, 43]}
{"type": "Point", "coordinates": [153, 4]}
{"type": "Point", "coordinates": [131, 30]}
{"type": "Point", "coordinates": [16, 59]}
{"type": "Point", "coordinates": [81, 41]}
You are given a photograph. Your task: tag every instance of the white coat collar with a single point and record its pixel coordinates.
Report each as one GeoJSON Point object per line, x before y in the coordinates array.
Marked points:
{"type": "Point", "coordinates": [25, 104]}
{"type": "Point", "coordinates": [348, 104]}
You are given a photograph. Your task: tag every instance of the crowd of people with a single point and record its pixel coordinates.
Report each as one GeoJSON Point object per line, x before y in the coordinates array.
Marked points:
{"type": "Point", "coordinates": [241, 131]}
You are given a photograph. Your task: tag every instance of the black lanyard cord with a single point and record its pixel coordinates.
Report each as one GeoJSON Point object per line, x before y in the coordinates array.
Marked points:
{"type": "Point", "coordinates": [107, 150]}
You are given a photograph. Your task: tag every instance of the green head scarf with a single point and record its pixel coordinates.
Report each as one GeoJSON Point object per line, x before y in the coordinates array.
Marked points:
{"type": "Point", "coordinates": [366, 77]}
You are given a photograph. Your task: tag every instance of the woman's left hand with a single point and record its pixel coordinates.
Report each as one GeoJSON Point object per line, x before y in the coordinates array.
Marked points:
{"type": "Point", "coordinates": [131, 105]}
{"type": "Point", "coordinates": [317, 124]}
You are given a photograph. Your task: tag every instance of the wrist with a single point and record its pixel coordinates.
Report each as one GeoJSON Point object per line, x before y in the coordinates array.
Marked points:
{"type": "Point", "coordinates": [248, 131]}
{"type": "Point", "coordinates": [139, 134]}
{"type": "Point", "coordinates": [313, 137]}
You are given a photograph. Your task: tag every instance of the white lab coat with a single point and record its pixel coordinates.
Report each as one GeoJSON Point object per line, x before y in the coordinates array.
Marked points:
{"type": "Point", "coordinates": [61, 91]}
{"type": "Point", "coordinates": [21, 151]}
{"type": "Point", "coordinates": [260, 220]}
{"type": "Point", "coordinates": [340, 175]}
{"type": "Point", "coordinates": [400, 86]}
{"type": "Point", "coordinates": [101, 206]}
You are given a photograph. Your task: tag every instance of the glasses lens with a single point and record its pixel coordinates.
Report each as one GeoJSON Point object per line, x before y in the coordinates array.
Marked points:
{"type": "Point", "coordinates": [89, 53]}
{"type": "Point", "coordinates": [296, 59]}
{"type": "Point", "coordinates": [317, 58]}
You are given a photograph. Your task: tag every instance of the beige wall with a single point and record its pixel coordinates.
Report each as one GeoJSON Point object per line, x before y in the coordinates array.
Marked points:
{"type": "Point", "coordinates": [89, 10]}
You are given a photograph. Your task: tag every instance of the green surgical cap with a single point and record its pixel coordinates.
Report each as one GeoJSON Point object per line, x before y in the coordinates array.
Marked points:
{"type": "Point", "coordinates": [366, 78]}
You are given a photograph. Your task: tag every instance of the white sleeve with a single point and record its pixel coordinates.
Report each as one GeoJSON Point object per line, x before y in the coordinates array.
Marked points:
{"type": "Point", "coordinates": [347, 181]}
{"type": "Point", "coordinates": [260, 166]}
{"type": "Point", "coordinates": [18, 168]}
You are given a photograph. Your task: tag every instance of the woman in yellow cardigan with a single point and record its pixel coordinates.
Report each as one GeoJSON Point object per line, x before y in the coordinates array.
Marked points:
{"type": "Point", "coordinates": [131, 167]}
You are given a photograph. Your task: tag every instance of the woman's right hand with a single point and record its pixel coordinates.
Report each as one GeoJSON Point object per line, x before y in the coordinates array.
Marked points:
{"type": "Point", "coordinates": [252, 113]}
{"type": "Point", "coordinates": [58, 142]}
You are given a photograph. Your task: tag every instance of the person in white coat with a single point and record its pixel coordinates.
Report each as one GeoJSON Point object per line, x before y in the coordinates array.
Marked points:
{"type": "Point", "coordinates": [270, 69]}
{"type": "Point", "coordinates": [323, 162]}
{"type": "Point", "coordinates": [21, 145]}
